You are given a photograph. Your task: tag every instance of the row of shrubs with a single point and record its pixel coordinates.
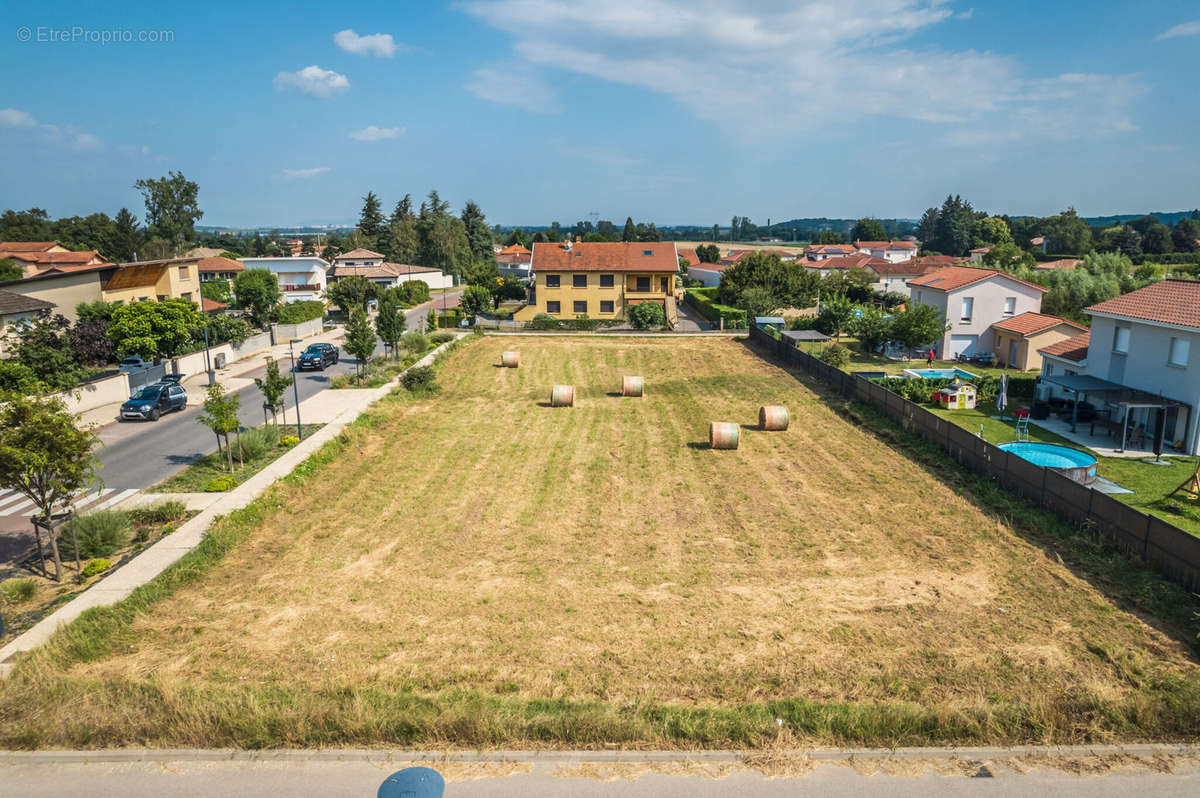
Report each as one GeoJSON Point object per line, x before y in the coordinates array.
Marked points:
{"type": "Point", "coordinates": [986, 387]}
{"type": "Point", "coordinates": [544, 321]}
{"type": "Point", "coordinates": [297, 312]}
{"type": "Point", "coordinates": [704, 300]}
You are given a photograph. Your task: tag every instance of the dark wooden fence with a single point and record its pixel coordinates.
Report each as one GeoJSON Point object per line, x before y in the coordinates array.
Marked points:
{"type": "Point", "coordinates": [1165, 547]}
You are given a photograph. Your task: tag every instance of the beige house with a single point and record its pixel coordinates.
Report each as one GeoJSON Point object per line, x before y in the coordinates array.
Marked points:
{"type": "Point", "coordinates": [1018, 340]}
{"type": "Point", "coordinates": [146, 281]}
{"type": "Point", "coordinates": [972, 300]}
{"type": "Point", "coordinates": [65, 290]}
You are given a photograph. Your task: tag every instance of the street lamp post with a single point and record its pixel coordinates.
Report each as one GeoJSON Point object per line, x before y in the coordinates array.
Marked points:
{"type": "Point", "coordinates": [212, 377]}
{"type": "Point", "coordinates": [295, 386]}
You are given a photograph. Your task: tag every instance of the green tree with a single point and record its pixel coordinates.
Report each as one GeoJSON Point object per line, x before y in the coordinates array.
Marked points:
{"type": "Point", "coordinates": [125, 239]}
{"type": "Point", "coordinates": [479, 237]}
{"type": "Point", "coordinates": [790, 283]}
{"type": "Point", "coordinates": [647, 316]}
{"type": "Point", "coordinates": [171, 207]}
{"type": "Point", "coordinates": [837, 312]}
{"type": "Point", "coordinates": [217, 291]}
{"type": "Point", "coordinates": [98, 310]}
{"type": "Point", "coordinates": [351, 292]}
{"type": "Point", "coordinates": [868, 229]}
{"type": "Point", "coordinates": [1067, 233]}
{"type": "Point", "coordinates": [360, 339]}
{"type": "Point", "coordinates": [955, 225]}
{"type": "Point", "coordinates": [759, 300]}
{"type": "Point", "coordinates": [1127, 241]}
{"type": "Point", "coordinates": [257, 291]}
{"type": "Point", "coordinates": [390, 322]}
{"type": "Point", "coordinates": [154, 329]}
{"type": "Point", "coordinates": [991, 230]}
{"type": "Point", "coordinates": [1157, 239]}
{"type": "Point", "coordinates": [370, 220]}
{"type": "Point", "coordinates": [918, 327]}
{"type": "Point", "coordinates": [43, 345]}
{"type": "Point", "coordinates": [221, 416]}
{"type": "Point", "coordinates": [872, 327]}
{"type": "Point", "coordinates": [506, 288]}
{"type": "Point", "coordinates": [10, 270]}
{"type": "Point", "coordinates": [273, 385]}
{"type": "Point", "coordinates": [1008, 257]}
{"type": "Point", "coordinates": [1185, 237]}
{"type": "Point", "coordinates": [403, 240]}
{"type": "Point", "coordinates": [45, 456]}
{"type": "Point", "coordinates": [630, 232]}
{"type": "Point", "coordinates": [476, 299]}
{"type": "Point", "coordinates": [928, 226]}
{"type": "Point", "coordinates": [708, 253]}
{"type": "Point", "coordinates": [431, 324]}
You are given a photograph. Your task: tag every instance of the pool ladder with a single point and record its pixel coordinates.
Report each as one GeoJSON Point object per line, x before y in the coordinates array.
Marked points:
{"type": "Point", "coordinates": [1023, 429]}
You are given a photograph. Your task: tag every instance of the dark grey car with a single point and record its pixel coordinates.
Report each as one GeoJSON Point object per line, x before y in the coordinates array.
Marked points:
{"type": "Point", "coordinates": [317, 357]}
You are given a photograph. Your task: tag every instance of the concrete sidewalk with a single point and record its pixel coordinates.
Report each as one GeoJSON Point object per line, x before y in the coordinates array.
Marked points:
{"type": "Point", "coordinates": [346, 407]}
{"type": "Point", "coordinates": [232, 376]}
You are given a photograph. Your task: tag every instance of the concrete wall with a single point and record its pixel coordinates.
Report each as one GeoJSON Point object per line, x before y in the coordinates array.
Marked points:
{"type": "Point", "coordinates": [285, 332]}
{"type": "Point", "coordinates": [252, 344]}
{"type": "Point", "coordinates": [97, 394]}
{"type": "Point", "coordinates": [195, 363]}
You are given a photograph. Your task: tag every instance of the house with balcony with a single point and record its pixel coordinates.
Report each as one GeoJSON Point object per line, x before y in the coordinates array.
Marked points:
{"type": "Point", "coordinates": [601, 280]}
{"type": "Point", "coordinates": [213, 269]}
{"type": "Point", "coordinates": [972, 301]}
{"type": "Point", "coordinates": [300, 279]}
{"type": "Point", "coordinates": [894, 251]}
{"type": "Point", "coordinates": [514, 261]}
{"type": "Point", "coordinates": [1137, 364]}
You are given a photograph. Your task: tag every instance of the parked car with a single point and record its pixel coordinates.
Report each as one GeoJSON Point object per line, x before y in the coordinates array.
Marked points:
{"type": "Point", "coordinates": [152, 401]}
{"type": "Point", "coordinates": [174, 377]}
{"type": "Point", "coordinates": [133, 364]}
{"type": "Point", "coordinates": [317, 357]}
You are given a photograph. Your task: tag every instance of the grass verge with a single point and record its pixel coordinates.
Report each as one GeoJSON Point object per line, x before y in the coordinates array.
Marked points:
{"type": "Point", "coordinates": [196, 477]}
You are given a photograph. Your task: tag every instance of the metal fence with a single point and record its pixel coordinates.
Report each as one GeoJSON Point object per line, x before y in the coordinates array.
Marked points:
{"type": "Point", "coordinates": [139, 379]}
{"type": "Point", "coordinates": [1166, 548]}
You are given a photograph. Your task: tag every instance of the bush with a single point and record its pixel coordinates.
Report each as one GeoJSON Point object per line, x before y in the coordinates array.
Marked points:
{"type": "Point", "coordinates": [17, 377]}
{"type": "Point", "coordinates": [543, 321]}
{"type": "Point", "coordinates": [95, 567]}
{"type": "Point", "coordinates": [220, 484]}
{"type": "Point", "coordinates": [704, 301]}
{"type": "Point", "coordinates": [419, 379]}
{"type": "Point", "coordinates": [100, 533]}
{"type": "Point", "coordinates": [439, 338]}
{"type": "Point", "coordinates": [159, 513]}
{"type": "Point", "coordinates": [415, 341]}
{"type": "Point", "coordinates": [296, 312]}
{"type": "Point", "coordinates": [835, 355]}
{"type": "Point", "coordinates": [647, 316]}
{"type": "Point", "coordinates": [414, 292]}
{"type": "Point", "coordinates": [17, 590]}
{"type": "Point", "coordinates": [258, 442]}
{"type": "Point", "coordinates": [289, 441]}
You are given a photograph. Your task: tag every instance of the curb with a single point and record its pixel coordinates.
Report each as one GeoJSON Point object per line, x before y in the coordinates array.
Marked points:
{"type": "Point", "coordinates": [157, 558]}
{"type": "Point", "coordinates": [573, 757]}
{"type": "Point", "coordinates": [621, 334]}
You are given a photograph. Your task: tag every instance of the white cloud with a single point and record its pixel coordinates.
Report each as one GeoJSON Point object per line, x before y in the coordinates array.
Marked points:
{"type": "Point", "coordinates": [372, 133]}
{"type": "Point", "coordinates": [513, 84]}
{"type": "Point", "coordinates": [11, 117]}
{"type": "Point", "coordinates": [779, 66]}
{"type": "Point", "coordinates": [85, 141]}
{"type": "Point", "coordinates": [1182, 29]}
{"type": "Point", "coordinates": [302, 174]}
{"type": "Point", "coordinates": [313, 81]}
{"type": "Point", "coordinates": [380, 44]}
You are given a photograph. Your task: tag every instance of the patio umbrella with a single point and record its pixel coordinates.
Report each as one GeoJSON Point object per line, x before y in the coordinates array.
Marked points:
{"type": "Point", "coordinates": [1002, 395]}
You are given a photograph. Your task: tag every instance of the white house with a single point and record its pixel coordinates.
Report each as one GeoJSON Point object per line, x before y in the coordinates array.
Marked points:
{"type": "Point", "coordinates": [707, 273]}
{"type": "Point", "coordinates": [827, 266]}
{"type": "Point", "coordinates": [1146, 341]}
{"type": "Point", "coordinates": [976, 255]}
{"type": "Point", "coordinates": [359, 257]}
{"type": "Point", "coordinates": [894, 251]}
{"type": "Point", "coordinates": [825, 251]}
{"type": "Point", "coordinates": [972, 301]}
{"type": "Point", "coordinates": [300, 278]}
{"type": "Point", "coordinates": [894, 277]}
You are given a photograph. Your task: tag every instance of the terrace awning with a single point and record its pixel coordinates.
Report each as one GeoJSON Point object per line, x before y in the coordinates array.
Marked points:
{"type": "Point", "coordinates": [805, 335]}
{"type": "Point", "coordinates": [1083, 383]}
{"type": "Point", "coordinates": [1131, 398]}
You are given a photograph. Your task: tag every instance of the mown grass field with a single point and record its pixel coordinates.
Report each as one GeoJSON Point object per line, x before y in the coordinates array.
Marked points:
{"type": "Point", "coordinates": [479, 569]}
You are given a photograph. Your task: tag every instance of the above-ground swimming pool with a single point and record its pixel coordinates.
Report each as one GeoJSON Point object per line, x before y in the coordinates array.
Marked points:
{"type": "Point", "coordinates": [938, 374]}
{"type": "Point", "coordinates": [1078, 465]}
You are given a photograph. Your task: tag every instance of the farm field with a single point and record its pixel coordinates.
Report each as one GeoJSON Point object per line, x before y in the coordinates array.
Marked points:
{"type": "Point", "coordinates": [479, 569]}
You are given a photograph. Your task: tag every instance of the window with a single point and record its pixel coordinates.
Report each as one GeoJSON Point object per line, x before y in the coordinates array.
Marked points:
{"type": "Point", "coordinates": [188, 296]}
{"type": "Point", "coordinates": [647, 252]}
{"type": "Point", "coordinates": [552, 280]}
{"type": "Point", "coordinates": [553, 307]}
{"type": "Point", "coordinates": [579, 280]}
{"type": "Point", "coordinates": [580, 306]}
{"type": "Point", "coordinates": [1010, 305]}
{"type": "Point", "coordinates": [643, 284]}
{"type": "Point", "coordinates": [183, 273]}
{"type": "Point", "coordinates": [1047, 369]}
{"type": "Point", "coordinates": [1121, 340]}
{"type": "Point", "coordinates": [968, 305]}
{"type": "Point", "coordinates": [606, 281]}
{"type": "Point", "coordinates": [1178, 353]}
{"type": "Point", "coordinates": [606, 306]}
{"type": "Point", "coordinates": [663, 282]}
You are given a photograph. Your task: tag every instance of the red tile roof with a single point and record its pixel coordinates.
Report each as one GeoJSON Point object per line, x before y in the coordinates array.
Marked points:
{"type": "Point", "coordinates": [44, 259]}
{"type": "Point", "coordinates": [1063, 263]}
{"type": "Point", "coordinates": [514, 257]}
{"type": "Point", "coordinates": [710, 267]}
{"type": "Point", "coordinates": [885, 245]}
{"type": "Point", "coordinates": [1168, 302]}
{"type": "Point", "coordinates": [931, 262]}
{"type": "Point", "coordinates": [1029, 323]}
{"type": "Point", "coordinates": [953, 277]}
{"type": "Point", "coordinates": [981, 250]}
{"type": "Point", "coordinates": [622, 256]}
{"type": "Point", "coordinates": [735, 255]}
{"type": "Point", "coordinates": [1073, 349]}
{"type": "Point", "coordinates": [847, 262]}
{"type": "Point", "coordinates": [27, 246]}
{"type": "Point", "coordinates": [208, 305]}
{"type": "Point", "coordinates": [913, 266]}
{"type": "Point", "coordinates": [360, 254]}
{"type": "Point", "coordinates": [219, 264]}
{"type": "Point", "coordinates": [517, 248]}
{"type": "Point", "coordinates": [830, 249]}
{"type": "Point", "coordinates": [689, 255]}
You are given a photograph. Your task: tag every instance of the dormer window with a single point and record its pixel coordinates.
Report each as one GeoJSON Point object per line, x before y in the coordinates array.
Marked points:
{"type": "Point", "coordinates": [647, 252]}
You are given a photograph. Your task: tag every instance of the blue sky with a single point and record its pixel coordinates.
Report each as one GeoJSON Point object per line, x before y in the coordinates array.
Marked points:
{"type": "Point", "coordinates": [677, 111]}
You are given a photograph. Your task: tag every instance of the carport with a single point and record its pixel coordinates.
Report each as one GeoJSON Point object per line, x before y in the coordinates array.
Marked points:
{"type": "Point", "coordinates": [1117, 397]}
{"type": "Point", "coordinates": [805, 336]}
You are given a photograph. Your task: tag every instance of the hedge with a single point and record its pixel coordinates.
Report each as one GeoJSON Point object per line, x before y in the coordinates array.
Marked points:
{"type": "Point", "coordinates": [1169, 259]}
{"type": "Point", "coordinates": [296, 312]}
{"type": "Point", "coordinates": [704, 301]}
{"type": "Point", "coordinates": [921, 391]}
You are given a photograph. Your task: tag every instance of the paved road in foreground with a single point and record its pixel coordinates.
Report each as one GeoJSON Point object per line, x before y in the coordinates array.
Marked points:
{"type": "Point", "coordinates": [299, 779]}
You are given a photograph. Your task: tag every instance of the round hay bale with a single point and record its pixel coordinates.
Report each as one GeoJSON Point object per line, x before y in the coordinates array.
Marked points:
{"type": "Point", "coordinates": [510, 360]}
{"type": "Point", "coordinates": [562, 396]}
{"type": "Point", "coordinates": [773, 417]}
{"type": "Point", "coordinates": [633, 386]}
{"type": "Point", "coordinates": [723, 435]}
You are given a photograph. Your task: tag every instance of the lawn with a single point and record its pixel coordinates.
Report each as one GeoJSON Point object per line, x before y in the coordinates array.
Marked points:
{"type": "Point", "coordinates": [479, 569]}
{"type": "Point", "coordinates": [196, 477]}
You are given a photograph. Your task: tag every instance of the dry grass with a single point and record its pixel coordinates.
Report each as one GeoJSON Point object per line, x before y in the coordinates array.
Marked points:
{"type": "Point", "coordinates": [482, 549]}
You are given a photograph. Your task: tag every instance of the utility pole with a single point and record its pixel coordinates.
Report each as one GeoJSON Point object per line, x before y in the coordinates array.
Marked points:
{"type": "Point", "coordinates": [295, 386]}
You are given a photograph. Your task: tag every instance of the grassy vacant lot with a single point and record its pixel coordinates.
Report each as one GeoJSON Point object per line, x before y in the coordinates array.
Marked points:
{"type": "Point", "coordinates": [478, 568]}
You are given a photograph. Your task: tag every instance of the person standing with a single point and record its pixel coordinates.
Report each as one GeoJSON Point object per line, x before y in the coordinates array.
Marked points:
{"type": "Point", "coordinates": [929, 357]}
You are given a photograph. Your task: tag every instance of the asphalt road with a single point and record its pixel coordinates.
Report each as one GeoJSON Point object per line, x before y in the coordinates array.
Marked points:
{"type": "Point", "coordinates": [217, 779]}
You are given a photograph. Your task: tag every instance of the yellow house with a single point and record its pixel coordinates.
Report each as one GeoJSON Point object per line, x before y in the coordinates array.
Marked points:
{"type": "Point", "coordinates": [601, 280]}
{"type": "Point", "coordinates": [147, 281]}
{"type": "Point", "coordinates": [1018, 339]}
